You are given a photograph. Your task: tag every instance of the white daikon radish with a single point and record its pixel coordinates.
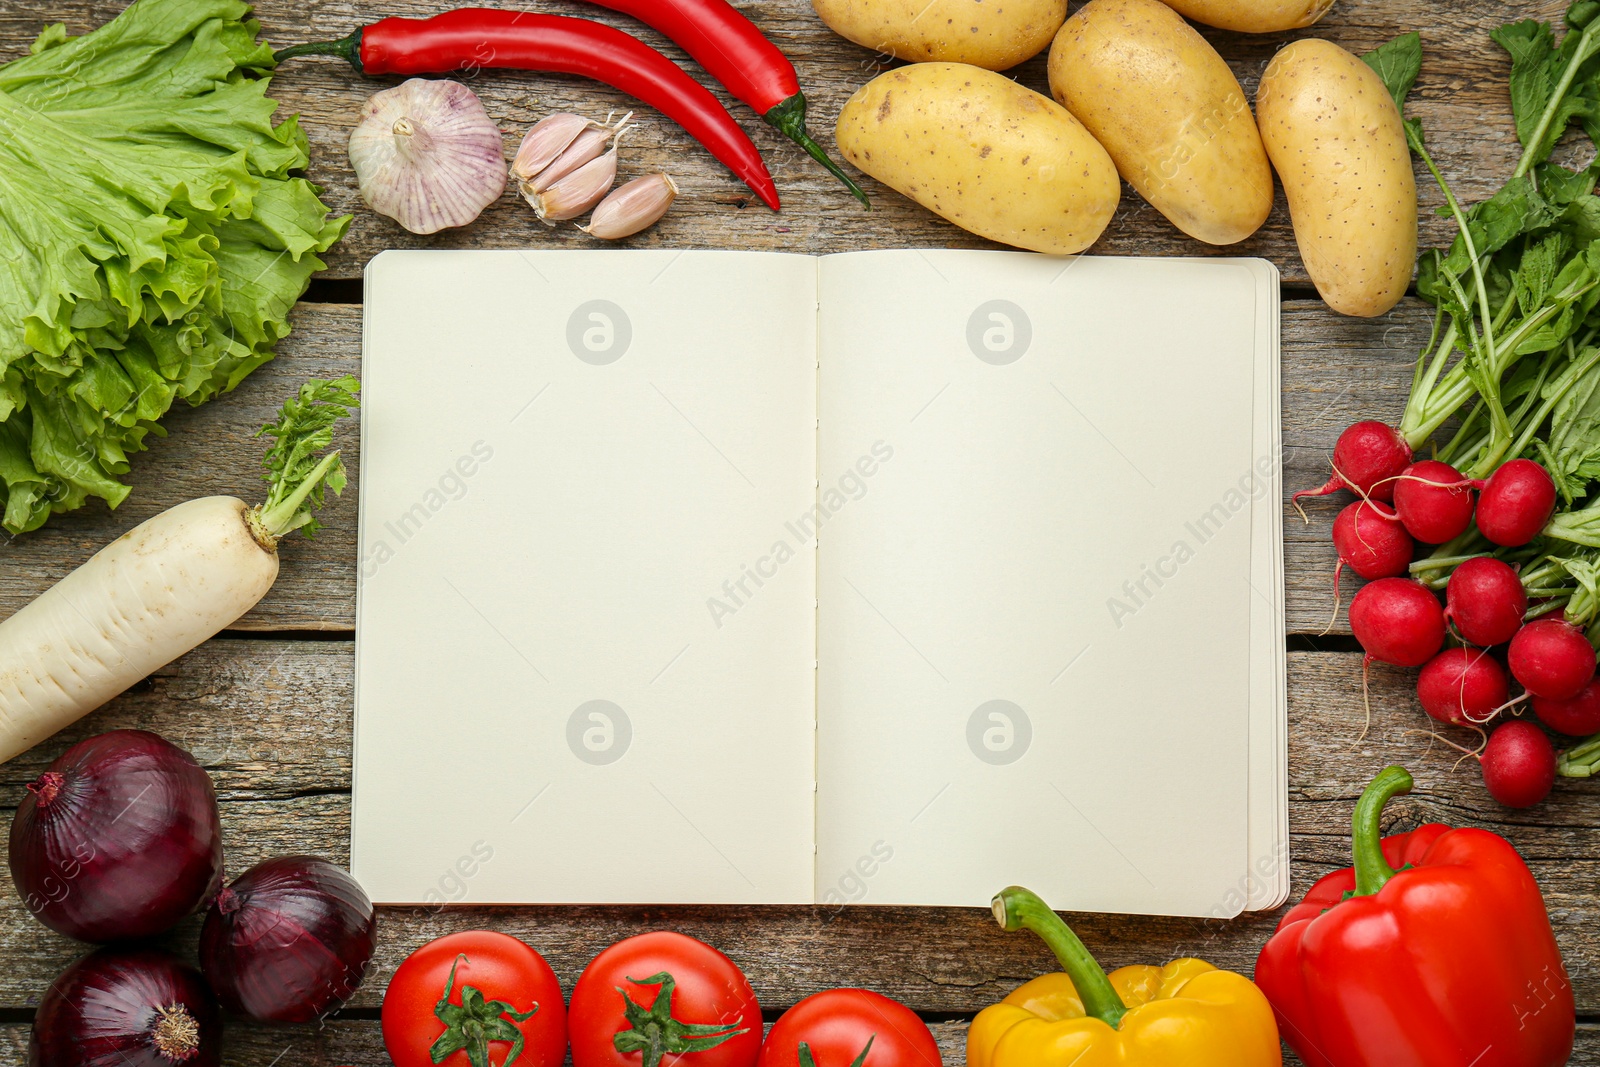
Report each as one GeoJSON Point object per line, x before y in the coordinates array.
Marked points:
{"type": "Point", "coordinates": [167, 585]}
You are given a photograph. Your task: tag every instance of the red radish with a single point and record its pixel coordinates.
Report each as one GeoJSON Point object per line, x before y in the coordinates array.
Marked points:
{"type": "Point", "coordinates": [1398, 620]}
{"type": "Point", "coordinates": [1462, 686]}
{"type": "Point", "coordinates": [1371, 541]}
{"type": "Point", "coordinates": [1367, 455]}
{"type": "Point", "coordinates": [1434, 501]}
{"type": "Point", "coordinates": [1519, 764]}
{"type": "Point", "coordinates": [1485, 600]}
{"type": "Point", "coordinates": [1550, 657]}
{"type": "Point", "coordinates": [1516, 502]}
{"type": "Point", "coordinates": [1577, 716]}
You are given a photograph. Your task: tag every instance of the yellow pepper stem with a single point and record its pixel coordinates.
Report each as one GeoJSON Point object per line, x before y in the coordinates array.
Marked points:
{"type": "Point", "coordinates": [1016, 908]}
{"type": "Point", "coordinates": [1366, 835]}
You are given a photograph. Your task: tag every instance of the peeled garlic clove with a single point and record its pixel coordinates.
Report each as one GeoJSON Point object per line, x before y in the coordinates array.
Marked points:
{"type": "Point", "coordinates": [588, 145]}
{"type": "Point", "coordinates": [578, 191]}
{"type": "Point", "coordinates": [631, 207]}
{"type": "Point", "coordinates": [427, 155]}
{"type": "Point", "coordinates": [546, 140]}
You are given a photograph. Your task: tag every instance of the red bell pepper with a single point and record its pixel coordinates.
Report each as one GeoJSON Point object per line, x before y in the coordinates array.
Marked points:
{"type": "Point", "coordinates": [1434, 950]}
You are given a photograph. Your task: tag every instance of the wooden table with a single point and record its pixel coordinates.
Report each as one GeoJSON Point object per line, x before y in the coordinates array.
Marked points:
{"type": "Point", "coordinates": [266, 708]}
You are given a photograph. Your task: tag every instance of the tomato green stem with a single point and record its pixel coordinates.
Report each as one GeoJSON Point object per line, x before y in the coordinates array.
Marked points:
{"type": "Point", "coordinates": [475, 1022]}
{"type": "Point", "coordinates": [1366, 837]}
{"type": "Point", "coordinates": [803, 1053]}
{"type": "Point", "coordinates": [654, 1032]}
{"type": "Point", "coordinates": [1016, 908]}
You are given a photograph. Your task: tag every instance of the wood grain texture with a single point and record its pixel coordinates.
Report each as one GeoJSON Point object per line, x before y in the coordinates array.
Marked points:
{"type": "Point", "coordinates": [358, 1042]}
{"type": "Point", "coordinates": [1461, 98]}
{"type": "Point", "coordinates": [1335, 370]}
{"type": "Point", "coordinates": [271, 721]}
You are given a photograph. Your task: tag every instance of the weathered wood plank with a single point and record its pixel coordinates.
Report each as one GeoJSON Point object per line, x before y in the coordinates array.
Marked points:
{"type": "Point", "coordinates": [360, 1042]}
{"type": "Point", "coordinates": [1462, 99]}
{"type": "Point", "coordinates": [1335, 370]}
{"type": "Point", "coordinates": [271, 720]}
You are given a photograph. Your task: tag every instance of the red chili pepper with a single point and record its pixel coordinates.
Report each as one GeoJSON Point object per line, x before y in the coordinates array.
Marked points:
{"type": "Point", "coordinates": [1448, 959]}
{"type": "Point", "coordinates": [733, 51]}
{"type": "Point", "coordinates": [475, 38]}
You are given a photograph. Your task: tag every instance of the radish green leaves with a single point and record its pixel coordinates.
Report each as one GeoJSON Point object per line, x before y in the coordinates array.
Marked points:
{"type": "Point", "coordinates": [297, 471]}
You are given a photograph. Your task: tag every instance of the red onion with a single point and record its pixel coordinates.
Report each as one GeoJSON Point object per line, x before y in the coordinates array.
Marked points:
{"type": "Point", "coordinates": [118, 840]}
{"type": "Point", "coordinates": [127, 1008]}
{"type": "Point", "coordinates": [289, 940]}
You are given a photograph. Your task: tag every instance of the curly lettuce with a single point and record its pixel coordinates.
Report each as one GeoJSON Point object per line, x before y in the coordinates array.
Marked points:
{"type": "Point", "coordinates": [153, 239]}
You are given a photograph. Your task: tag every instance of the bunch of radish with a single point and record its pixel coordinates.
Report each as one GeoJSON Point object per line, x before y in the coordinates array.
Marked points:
{"type": "Point", "coordinates": [1465, 677]}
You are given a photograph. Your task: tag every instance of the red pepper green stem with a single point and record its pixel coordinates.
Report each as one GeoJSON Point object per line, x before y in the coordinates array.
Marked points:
{"type": "Point", "coordinates": [1016, 908]}
{"type": "Point", "coordinates": [789, 118]}
{"type": "Point", "coordinates": [1366, 837]}
{"type": "Point", "coordinates": [347, 48]}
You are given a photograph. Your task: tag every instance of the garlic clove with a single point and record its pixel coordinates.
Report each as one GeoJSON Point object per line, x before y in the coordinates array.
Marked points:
{"type": "Point", "coordinates": [546, 140]}
{"type": "Point", "coordinates": [427, 155]}
{"type": "Point", "coordinates": [631, 207]}
{"type": "Point", "coordinates": [578, 191]}
{"type": "Point", "coordinates": [588, 145]}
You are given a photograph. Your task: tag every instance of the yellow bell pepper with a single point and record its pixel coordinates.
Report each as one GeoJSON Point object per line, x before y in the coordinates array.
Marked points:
{"type": "Point", "coordinates": [1186, 1014]}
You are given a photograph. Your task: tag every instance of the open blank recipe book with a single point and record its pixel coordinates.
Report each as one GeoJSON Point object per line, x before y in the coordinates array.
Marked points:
{"type": "Point", "coordinates": [889, 577]}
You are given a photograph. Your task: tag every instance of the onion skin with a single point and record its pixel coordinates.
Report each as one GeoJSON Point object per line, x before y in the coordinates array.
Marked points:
{"type": "Point", "coordinates": [115, 1008]}
{"type": "Point", "coordinates": [289, 940]}
{"type": "Point", "coordinates": [119, 840]}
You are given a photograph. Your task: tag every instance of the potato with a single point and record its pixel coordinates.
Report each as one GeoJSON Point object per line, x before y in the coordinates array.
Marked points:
{"type": "Point", "coordinates": [996, 34]}
{"type": "Point", "coordinates": [1169, 111]}
{"type": "Point", "coordinates": [1254, 16]}
{"type": "Point", "coordinates": [1336, 138]}
{"type": "Point", "coordinates": [994, 158]}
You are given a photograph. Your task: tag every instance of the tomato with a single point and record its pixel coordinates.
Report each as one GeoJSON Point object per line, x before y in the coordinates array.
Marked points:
{"type": "Point", "coordinates": [849, 1028]}
{"type": "Point", "coordinates": [659, 995]}
{"type": "Point", "coordinates": [456, 998]}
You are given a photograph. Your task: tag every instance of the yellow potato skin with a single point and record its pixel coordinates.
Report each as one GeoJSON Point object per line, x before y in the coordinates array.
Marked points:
{"type": "Point", "coordinates": [999, 160]}
{"type": "Point", "coordinates": [1254, 16]}
{"type": "Point", "coordinates": [1337, 141]}
{"type": "Point", "coordinates": [997, 34]}
{"type": "Point", "coordinates": [1169, 111]}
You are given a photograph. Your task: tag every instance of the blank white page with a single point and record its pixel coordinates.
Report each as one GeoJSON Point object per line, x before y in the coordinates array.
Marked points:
{"type": "Point", "coordinates": [568, 460]}
{"type": "Point", "coordinates": [1268, 884]}
{"type": "Point", "coordinates": [1035, 612]}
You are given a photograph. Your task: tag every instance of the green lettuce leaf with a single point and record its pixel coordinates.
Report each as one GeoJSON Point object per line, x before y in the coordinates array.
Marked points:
{"type": "Point", "coordinates": [153, 239]}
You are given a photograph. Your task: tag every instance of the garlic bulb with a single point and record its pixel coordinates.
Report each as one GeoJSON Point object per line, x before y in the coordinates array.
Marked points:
{"type": "Point", "coordinates": [427, 155]}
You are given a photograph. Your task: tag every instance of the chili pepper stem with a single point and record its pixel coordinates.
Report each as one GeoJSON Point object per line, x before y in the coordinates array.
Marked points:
{"type": "Point", "coordinates": [1017, 908]}
{"type": "Point", "coordinates": [789, 118]}
{"type": "Point", "coordinates": [1366, 837]}
{"type": "Point", "coordinates": [348, 48]}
